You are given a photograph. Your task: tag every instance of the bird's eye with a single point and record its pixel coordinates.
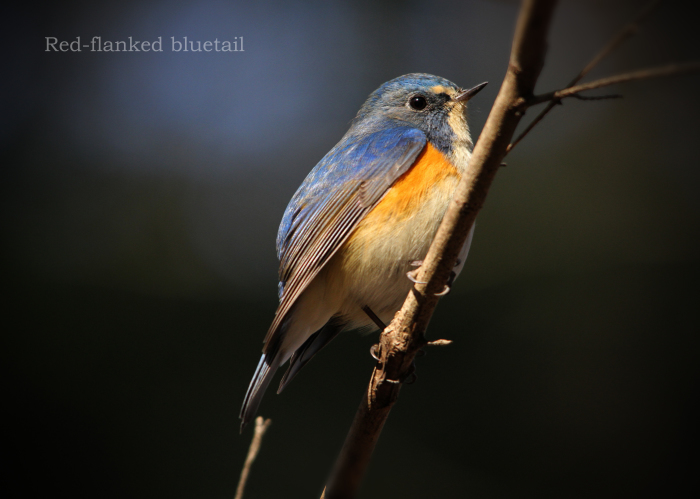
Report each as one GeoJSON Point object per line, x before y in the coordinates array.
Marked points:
{"type": "Point", "coordinates": [417, 102]}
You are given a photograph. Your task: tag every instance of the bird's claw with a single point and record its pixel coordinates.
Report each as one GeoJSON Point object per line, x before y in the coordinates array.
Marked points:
{"type": "Point", "coordinates": [445, 290]}
{"type": "Point", "coordinates": [413, 274]}
{"type": "Point", "coordinates": [448, 286]}
{"type": "Point", "coordinates": [407, 379]}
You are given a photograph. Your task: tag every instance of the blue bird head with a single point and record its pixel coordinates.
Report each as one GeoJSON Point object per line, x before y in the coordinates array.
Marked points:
{"type": "Point", "coordinates": [432, 104]}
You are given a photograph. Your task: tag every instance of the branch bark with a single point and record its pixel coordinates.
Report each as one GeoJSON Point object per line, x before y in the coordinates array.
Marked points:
{"type": "Point", "coordinates": [261, 427]}
{"type": "Point", "coordinates": [400, 341]}
{"type": "Point", "coordinates": [642, 74]}
{"type": "Point", "coordinates": [627, 31]}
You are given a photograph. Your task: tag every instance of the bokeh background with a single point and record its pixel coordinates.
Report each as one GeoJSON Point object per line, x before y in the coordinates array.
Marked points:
{"type": "Point", "coordinates": [141, 194]}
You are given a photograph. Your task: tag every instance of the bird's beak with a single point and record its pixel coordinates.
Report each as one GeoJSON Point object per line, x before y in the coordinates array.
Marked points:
{"type": "Point", "coordinates": [468, 94]}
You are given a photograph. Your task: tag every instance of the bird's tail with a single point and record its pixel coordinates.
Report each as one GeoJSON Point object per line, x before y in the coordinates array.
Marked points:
{"type": "Point", "coordinates": [262, 377]}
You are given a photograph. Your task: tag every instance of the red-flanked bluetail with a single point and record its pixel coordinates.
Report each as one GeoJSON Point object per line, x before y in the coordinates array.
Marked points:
{"type": "Point", "coordinates": [363, 219]}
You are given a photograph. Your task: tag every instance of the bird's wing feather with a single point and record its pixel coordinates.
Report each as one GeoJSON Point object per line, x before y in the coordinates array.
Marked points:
{"type": "Point", "coordinates": [311, 347]}
{"type": "Point", "coordinates": [346, 184]}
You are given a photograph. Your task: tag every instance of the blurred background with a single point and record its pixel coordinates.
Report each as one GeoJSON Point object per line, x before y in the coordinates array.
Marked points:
{"type": "Point", "coordinates": [141, 195]}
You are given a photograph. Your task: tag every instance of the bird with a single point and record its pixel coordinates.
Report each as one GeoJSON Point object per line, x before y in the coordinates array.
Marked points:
{"type": "Point", "coordinates": [363, 219]}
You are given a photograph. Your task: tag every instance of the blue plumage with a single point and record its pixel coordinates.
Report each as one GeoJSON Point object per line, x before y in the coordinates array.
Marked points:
{"type": "Point", "coordinates": [319, 295]}
{"type": "Point", "coordinates": [374, 160]}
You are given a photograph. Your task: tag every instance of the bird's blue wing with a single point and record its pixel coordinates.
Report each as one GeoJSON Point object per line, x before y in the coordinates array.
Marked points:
{"type": "Point", "coordinates": [343, 187]}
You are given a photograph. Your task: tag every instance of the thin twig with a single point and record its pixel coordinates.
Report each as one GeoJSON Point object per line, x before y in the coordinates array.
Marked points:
{"type": "Point", "coordinates": [404, 337]}
{"type": "Point", "coordinates": [261, 427]}
{"type": "Point", "coordinates": [626, 32]}
{"type": "Point", "coordinates": [642, 74]}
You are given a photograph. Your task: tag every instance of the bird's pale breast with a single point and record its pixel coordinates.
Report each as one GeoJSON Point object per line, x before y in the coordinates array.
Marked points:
{"type": "Point", "coordinates": [371, 266]}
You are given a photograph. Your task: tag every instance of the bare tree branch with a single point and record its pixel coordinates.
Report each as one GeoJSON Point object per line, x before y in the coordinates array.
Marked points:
{"type": "Point", "coordinates": [261, 427]}
{"type": "Point", "coordinates": [642, 74]}
{"type": "Point", "coordinates": [400, 341]}
{"type": "Point", "coordinates": [626, 32]}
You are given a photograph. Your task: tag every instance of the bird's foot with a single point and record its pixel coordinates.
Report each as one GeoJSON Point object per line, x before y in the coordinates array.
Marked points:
{"type": "Point", "coordinates": [413, 274]}
{"type": "Point", "coordinates": [407, 379]}
{"type": "Point", "coordinates": [448, 286]}
{"type": "Point", "coordinates": [370, 313]}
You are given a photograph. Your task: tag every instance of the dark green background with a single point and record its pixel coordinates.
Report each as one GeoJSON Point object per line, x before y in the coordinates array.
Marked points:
{"type": "Point", "coordinates": [139, 265]}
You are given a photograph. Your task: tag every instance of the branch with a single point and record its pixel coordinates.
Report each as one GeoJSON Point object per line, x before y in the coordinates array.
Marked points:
{"type": "Point", "coordinates": [400, 341]}
{"type": "Point", "coordinates": [642, 74]}
{"type": "Point", "coordinates": [626, 32]}
{"type": "Point", "coordinates": [261, 427]}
